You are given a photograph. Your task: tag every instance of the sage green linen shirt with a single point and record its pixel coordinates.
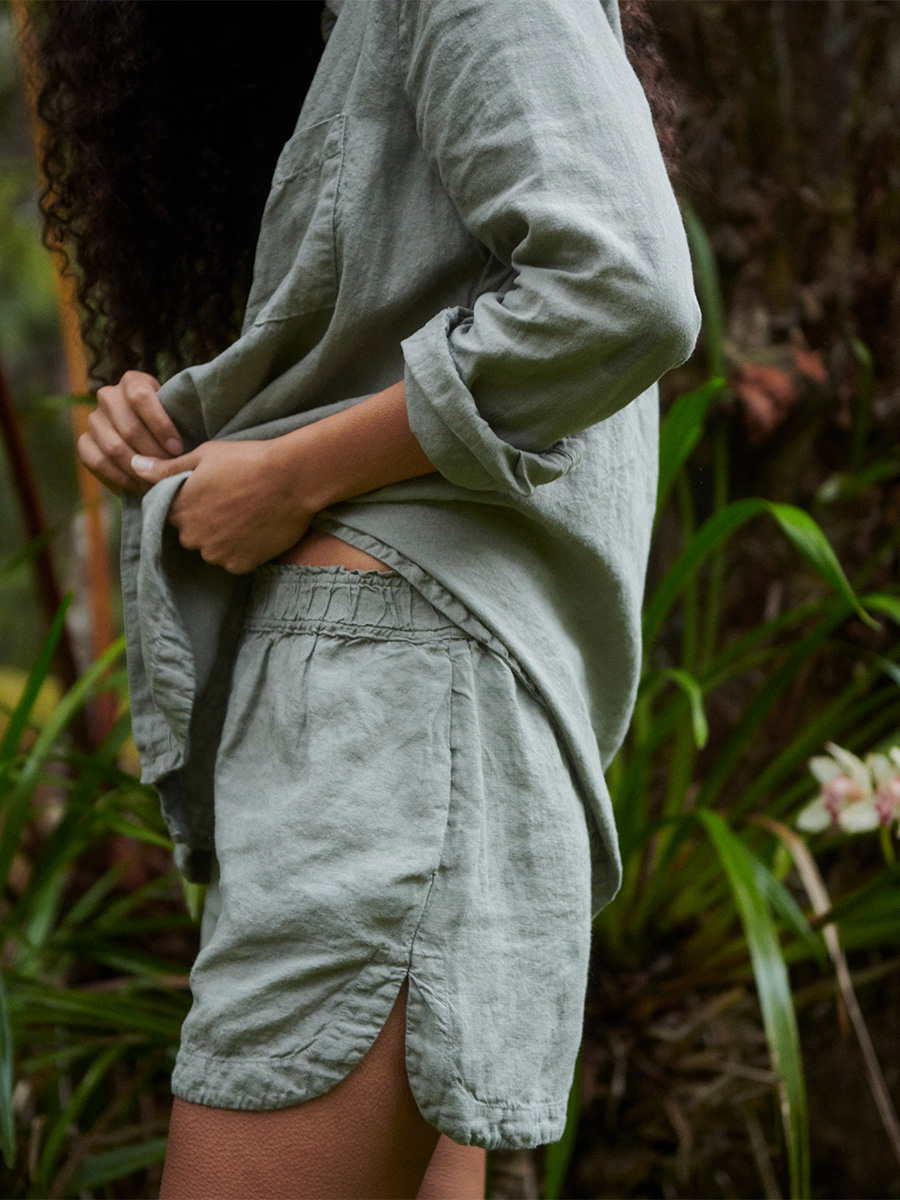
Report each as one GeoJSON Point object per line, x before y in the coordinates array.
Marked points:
{"type": "Point", "coordinates": [474, 201]}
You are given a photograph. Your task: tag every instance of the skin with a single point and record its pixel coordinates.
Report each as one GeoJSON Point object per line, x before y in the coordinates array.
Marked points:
{"type": "Point", "coordinates": [248, 502]}
{"type": "Point", "coordinates": [364, 1138]}
{"type": "Point", "coordinates": [244, 504]}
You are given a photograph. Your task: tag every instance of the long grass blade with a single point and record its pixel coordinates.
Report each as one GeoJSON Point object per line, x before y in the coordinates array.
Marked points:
{"type": "Point", "coordinates": [759, 708]}
{"type": "Point", "coordinates": [798, 525]}
{"type": "Point", "coordinates": [846, 711]}
{"type": "Point", "coordinates": [821, 903]}
{"type": "Point", "coordinates": [709, 291]}
{"type": "Point", "coordinates": [109, 1165]}
{"type": "Point", "coordinates": [884, 602]}
{"type": "Point", "coordinates": [774, 990]}
{"type": "Point", "coordinates": [858, 905]}
{"type": "Point", "coordinates": [32, 549]}
{"type": "Point", "coordinates": [61, 1056]}
{"type": "Point", "coordinates": [785, 906]}
{"type": "Point", "coordinates": [558, 1155]}
{"type": "Point", "coordinates": [680, 432]}
{"type": "Point", "coordinates": [693, 690]}
{"type": "Point", "coordinates": [39, 672]}
{"type": "Point", "coordinates": [812, 543]}
{"type": "Point", "coordinates": [19, 799]}
{"type": "Point", "coordinates": [91, 1079]}
{"type": "Point", "coordinates": [7, 1116]}
{"type": "Point", "coordinates": [127, 1013]}
{"type": "Point", "coordinates": [88, 903]}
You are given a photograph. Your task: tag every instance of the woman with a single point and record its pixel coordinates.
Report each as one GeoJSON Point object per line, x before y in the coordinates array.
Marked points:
{"type": "Point", "coordinates": [383, 551]}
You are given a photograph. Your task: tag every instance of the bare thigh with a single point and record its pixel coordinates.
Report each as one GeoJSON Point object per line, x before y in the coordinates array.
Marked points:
{"type": "Point", "coordinates": [364, 1137]}
{"type": "Point", "coordinates": [455, 1172]}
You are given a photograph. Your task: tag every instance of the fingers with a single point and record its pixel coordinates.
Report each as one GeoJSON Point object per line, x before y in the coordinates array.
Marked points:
{"type": "Point", "coordinates": [140, 392]}
{"type": "Point", "coordinates": [106, 471]}
{"type": "Point", "coordinates": [133, 410]}
{"type": "Point", "coordinates": [107, 454]}
{"type": "Point", "coordinates": [154, 469]}
{"type": "Point", "coordinates": [129, 419]}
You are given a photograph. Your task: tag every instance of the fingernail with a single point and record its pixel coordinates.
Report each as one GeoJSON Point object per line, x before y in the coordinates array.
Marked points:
{"type": "Point", "coordinates": [141, 465]}
{"type": "Point", "coordinates": [174, 445]}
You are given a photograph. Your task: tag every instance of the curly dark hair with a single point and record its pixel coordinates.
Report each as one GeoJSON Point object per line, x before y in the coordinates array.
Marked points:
{"type": "Point", "coordinates": [161, 126]}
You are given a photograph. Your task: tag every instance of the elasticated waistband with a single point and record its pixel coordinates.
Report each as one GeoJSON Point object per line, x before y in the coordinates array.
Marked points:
{"type": "Point", "coordinates": [322, 599]}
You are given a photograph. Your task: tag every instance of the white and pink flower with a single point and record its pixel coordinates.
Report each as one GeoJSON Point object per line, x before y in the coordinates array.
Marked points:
{"type": "Point", "coordinates": [855, 796]}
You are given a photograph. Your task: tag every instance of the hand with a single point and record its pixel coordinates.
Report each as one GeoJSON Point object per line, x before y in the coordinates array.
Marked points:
{"type": "Point", "coordinates": [241, 506]}
{"type": "Point", "coordinates": [129, 419]}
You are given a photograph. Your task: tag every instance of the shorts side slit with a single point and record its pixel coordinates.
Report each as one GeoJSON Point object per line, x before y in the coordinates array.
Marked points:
{"type": "Point", "coordinates": [390, 802]}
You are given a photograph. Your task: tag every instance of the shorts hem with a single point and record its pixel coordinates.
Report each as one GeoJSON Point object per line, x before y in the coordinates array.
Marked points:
{"type": "Point", "coordinates": [495, 1127]}
{"type": "Point", "coordinates": [266, 1083]}
{"type": "Point", "coordinates": [257, 1084]}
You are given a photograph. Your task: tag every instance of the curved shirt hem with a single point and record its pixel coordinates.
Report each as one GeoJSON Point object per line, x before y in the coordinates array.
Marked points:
{"type": "Point", "coordinates": [606, 870]}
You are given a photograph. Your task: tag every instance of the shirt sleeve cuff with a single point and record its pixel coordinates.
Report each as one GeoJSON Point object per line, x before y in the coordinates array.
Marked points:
{"type": "Point", "coordinates": [457, 439]}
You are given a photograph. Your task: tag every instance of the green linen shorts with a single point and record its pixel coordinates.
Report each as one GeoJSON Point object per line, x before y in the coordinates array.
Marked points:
{"type": "Point", "coordinates": [390, 800]}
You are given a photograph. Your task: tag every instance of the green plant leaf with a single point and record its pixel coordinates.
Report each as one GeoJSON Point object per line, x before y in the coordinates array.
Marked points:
{"type": "Point", "coordinates": [878, 930]}
{"type": "Point", "coordinates": [694, 692]}
{"type": "Point", "coordinates": [61, 1056]}
{"type": "Point", "coordinates": [91, 1079]}
{"type": "Point", "coordinates": [748, 653]}
{"type": "Point", "coordinates": [798, 525]}
{"type": "Point", "coordinates": [88, 903]}
{"type": "Point", "coordinates": [43, 910]}
{"type": "Point", "coordinates": [891, 669]}
{"type": "Point", "coordinates": [850, 706]}
{"type": "Point", "coordinates": [39, 672]}
{"type": "Point", "coordinates": [812, 543]}
{"type": "Point", "coordinates": [89, 947]}
{"type": "Point", "coordinates": [19, 798]}
{"type": "Point", "coordinates": [106, 1167]}
{"type": "Point", "coordinates": [877, 894]}
{"type": "Point", "coordinates": [680, 433]}
{"type": "Point", "coordinates": [884, 602]}
{"type": "Point", "coordinates": [194, 897]}
{"type": "Point", "coordinates": [119, 824]}
{"type": "Point", "coordinates": [66, 401]}
{"type": "Point", "coordinates": [774, 990]}
{"type": "Point", "coordinates": [7, 1116]}
{"type": "Point", "coordinates": [155, 1015]}
{"type": "Point", "coordinates": [27, 553]}
{"type": "Point", "coordinates": [720, 526]}
{"type": "Point", "coordinates": [709, 293]}
{"type": "Point", "coordinates": [783, 903]}
{"type": "Point", "coordinates": [844, 484]}
{"type": "Point", "coordinates": [119, 909]}
{"type": "Point", "coordinates": [558, 1155]}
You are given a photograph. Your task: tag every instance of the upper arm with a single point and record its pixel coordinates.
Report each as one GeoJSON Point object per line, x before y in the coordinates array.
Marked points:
{"type": "Point", "coordinates": [541, 134]}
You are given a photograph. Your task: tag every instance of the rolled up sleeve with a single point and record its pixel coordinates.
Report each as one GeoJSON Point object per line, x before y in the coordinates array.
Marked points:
{"type": "Point", "coordinates": [542, 137]}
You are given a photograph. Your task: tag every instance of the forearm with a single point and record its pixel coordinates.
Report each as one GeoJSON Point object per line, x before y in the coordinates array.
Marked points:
{"type": "Point", "coordinates": [246, 502]}
{"type": "Point", "coordinates": [351, 452]}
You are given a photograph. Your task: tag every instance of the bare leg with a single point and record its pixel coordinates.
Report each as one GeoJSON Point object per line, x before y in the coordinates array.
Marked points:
{"type": "Point", "coordinates": [364, 1137]}
{"type": "Point", "coordinates": [454, 1173]}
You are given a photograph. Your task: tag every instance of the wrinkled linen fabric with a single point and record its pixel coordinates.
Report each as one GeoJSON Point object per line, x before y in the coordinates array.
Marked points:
{"type": "Point", "coordinates": [395, 806]}
{"type": "Point", "coordinates": [474, 201]}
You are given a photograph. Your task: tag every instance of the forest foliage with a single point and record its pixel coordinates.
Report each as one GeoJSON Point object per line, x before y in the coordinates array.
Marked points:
{"type": "Point", "coordinates": [744, 962]}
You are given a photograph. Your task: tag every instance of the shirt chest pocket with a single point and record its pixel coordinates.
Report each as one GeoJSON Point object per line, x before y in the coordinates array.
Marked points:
{"type": "Point", "coordinates": [295, 268]}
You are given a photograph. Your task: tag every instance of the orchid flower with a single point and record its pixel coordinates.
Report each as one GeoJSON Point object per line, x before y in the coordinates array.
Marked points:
{"type": "Point", "coordinates": [854, 796]}
{"type": "Point", "coordinates": [886, 772]}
